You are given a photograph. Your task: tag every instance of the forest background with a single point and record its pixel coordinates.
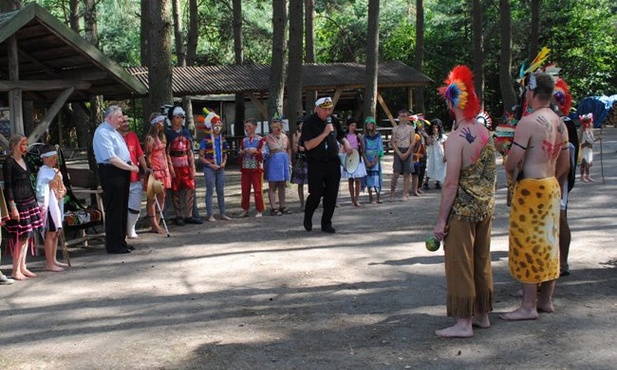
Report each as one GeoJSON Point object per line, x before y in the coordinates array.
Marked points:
{"type": "Point", "coordinates": [430, 35]}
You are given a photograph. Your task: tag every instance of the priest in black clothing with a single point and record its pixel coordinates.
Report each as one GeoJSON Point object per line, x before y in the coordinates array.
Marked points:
{"type": "Point", "coordinates": [321, 134]}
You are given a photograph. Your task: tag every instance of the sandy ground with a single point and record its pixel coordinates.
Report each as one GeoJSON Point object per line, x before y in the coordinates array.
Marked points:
{"type": "Point", "coordinates": [265, 294]}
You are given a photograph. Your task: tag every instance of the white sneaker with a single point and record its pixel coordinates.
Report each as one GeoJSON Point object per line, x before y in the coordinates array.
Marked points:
{"type": "Point", "coordinates": [258, 215]}
{"type": "Point", "coordinates": [211, 219]}
{"type": "Point", "coordinates": [5, 280]}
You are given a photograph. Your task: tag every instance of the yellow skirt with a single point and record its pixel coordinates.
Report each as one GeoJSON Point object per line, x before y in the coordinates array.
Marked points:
{"type": "Point", "coordinates": [534, 230]}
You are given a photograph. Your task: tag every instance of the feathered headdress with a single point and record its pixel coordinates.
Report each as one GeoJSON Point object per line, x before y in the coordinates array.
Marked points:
{"type": "Point", "coordinates": [485, 119]}
{"type": "Point", "coordinates": [211, 118]}
{"type": "Point", "coordinates": [586, 119]}
{"type": "Point", "coordinates": [536, 62]}
{"type": "Point", "coordinates": [459, 91]}
{"type": "Point", "coordinates": [562, 96]}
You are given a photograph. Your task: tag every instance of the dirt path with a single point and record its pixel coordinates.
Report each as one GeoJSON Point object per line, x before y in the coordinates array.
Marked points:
{"type": "Point", "coordinates": [265, 294]}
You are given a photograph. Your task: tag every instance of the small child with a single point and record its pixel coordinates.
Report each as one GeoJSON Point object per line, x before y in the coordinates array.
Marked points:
{"type": "Point", "coordinates": [586, 139]}
{"type": "Point", "coordinates": [49, 192]}
{"type": "Point", "coordinates": [251, 153]}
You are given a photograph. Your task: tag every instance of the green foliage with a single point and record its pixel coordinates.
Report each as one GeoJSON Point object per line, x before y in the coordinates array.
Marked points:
{"type": "Point", "coordinates": [581, 33]}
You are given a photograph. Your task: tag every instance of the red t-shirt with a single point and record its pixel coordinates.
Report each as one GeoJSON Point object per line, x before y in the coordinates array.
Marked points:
{"type": "Point", "coordinates": [132, 142]}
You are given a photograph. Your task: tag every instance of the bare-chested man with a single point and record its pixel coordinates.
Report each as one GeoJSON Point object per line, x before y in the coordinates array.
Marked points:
{"type": "Point", "coordinates": [539, 162]}
{"type": "Point", "coordinates": [465, 214]}
{"type": "Point", "coordinates": [403, 140]}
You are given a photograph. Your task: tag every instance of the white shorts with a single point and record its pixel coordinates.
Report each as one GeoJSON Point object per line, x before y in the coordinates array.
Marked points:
{"type": "Point", "coordinates": [135, 196]}
{"type": "Point", "coordinates": [564, 196]}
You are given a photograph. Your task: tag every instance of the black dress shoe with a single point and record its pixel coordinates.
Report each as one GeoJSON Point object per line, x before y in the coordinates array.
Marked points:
{"type": "Point", "coordinates": [308, 224]}
{"type": "Point", "coordinates": [192, 220]}
{"type": "Point", "coordinates": [179, 221]}
{"type": "Point", "coordinates": [130, 247]}
{"type": "Point", "coordinates": [328, 229]}
{"type": "Point", "coordinates": [119, 251]}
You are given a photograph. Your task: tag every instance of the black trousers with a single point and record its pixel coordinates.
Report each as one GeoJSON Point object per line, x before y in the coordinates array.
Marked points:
{"type": "Point", "coordinates": [115, 183]}
{"type": "Point", "coordinates": [324, 179]}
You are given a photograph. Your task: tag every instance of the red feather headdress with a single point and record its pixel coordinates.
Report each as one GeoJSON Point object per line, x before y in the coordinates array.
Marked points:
{"type": "Point", "coordinates": [460, 93]}
{"type": "Point", "coordinates": [562, 96]}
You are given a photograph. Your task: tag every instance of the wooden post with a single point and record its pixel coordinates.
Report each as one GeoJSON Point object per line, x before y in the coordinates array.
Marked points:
{"type": "Point", "coordinates": [15, 106]}
{"type": "Point", "coordinates": [410, 98]}
{"type": "Point", "coordinates": [384, 106]}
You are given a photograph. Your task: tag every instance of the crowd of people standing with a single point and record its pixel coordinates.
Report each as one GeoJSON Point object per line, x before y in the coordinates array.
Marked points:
{"type": "Point", "coordinates": [461, 165]}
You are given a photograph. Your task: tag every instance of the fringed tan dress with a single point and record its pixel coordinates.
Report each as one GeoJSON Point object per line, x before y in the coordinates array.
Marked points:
{"type": "Point", "coordinates": [469, 275]}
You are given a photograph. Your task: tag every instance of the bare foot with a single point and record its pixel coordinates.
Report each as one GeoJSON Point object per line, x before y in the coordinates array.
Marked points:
{"type": "Point", "coordinates": [61, 264]}
{"type": "Point", "coordinates": [19, 276]}
{"type": "Point", "coordinates": [481, 321]}
{"type": "Point", "coordinates": [391, 199]}
{"type": "Point", "coordinates": [520, 314]}
{"type": "Point", "coordinates": [405, 198]}
{"type": "Point", "coordinates": [416, 194]}
{"type": "Point", "coordinates": [455, 331]}
{"type": "Point", "coordinates": [158, 231]}
{"type": "Point", "coordinates": [54, 268]}
{"type": "Point", "coordinates": [29, 273]}
{"type": "Point", "coordinates": [545, 307]}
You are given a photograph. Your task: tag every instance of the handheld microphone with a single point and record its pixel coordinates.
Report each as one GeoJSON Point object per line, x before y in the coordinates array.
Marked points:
{"type": "Point", "coordinates": [329, 122]}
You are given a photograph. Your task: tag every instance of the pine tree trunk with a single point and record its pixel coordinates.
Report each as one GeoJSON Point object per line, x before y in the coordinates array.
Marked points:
{"type": "Point", "coordinates": [478, 50]}
{"type": "Point", "coordinates": [160, 70]}
{"type": "Point", "coordinates": [277, 71]}
{"type": "Point", "coordinates": [309, 47]}
{"type": "Point", "coordinates": [505, 59]}
{"type": "Point", "coordinates": [294, 75]}
{"type": "Point", "coordinates": [240, 107]}
{"type": "Point", "coordinates": [419, 60]}
{"type": "Point", "coordinates": [372, 58]}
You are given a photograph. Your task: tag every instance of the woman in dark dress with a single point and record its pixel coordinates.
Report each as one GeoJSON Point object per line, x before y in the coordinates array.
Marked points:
{"type": "Point", "coordinates": [24, 213]}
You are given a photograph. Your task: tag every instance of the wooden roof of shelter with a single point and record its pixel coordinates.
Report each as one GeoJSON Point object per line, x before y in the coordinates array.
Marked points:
{"type": "Point", "coordinates": [231, 79]}
{"type": "Point", "coordinates": [52, 57]}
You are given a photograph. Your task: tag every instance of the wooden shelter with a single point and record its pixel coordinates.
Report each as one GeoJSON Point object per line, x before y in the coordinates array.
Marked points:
{"type": "Point", "coordinates": [43, 60]}
{"type": "Point", "coordinates": [339, 80]}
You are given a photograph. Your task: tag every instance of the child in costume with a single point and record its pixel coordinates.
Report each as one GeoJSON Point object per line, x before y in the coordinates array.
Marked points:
{"type": "Point", "coordinates": [436, 164]}
{"type": "Point", "coordinates": [354, 179]}
{"type": "Point", "coordinates": [50, 191]}
{"type": "Point", "coordinates": [251, 169]}
{"type": "Point", "coordinates": [586, 139]}
{"type": "Point", "coordinates": [213, 155]}
{"type": "Point", "coordinates": [372, 154]}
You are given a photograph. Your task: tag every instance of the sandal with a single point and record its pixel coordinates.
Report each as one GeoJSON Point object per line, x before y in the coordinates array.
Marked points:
{"type": "Point", "coordinates": [285, 211]}
{"type": "Point", "coordinates": [275, 212]}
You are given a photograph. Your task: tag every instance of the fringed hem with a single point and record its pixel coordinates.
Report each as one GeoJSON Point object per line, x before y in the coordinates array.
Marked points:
{"type": "Point", "coordinates": [461, 307]}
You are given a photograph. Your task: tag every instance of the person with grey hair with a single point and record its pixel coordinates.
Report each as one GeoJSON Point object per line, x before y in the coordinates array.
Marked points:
{"type": "Point", "coordinates": [114, 164]}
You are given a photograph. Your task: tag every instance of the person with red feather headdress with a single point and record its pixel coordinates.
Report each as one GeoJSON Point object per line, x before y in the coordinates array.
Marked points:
{"type": "Point", "coordinates": [561, 102]}
{"type": "Point", "coordinates": [465, 216]}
